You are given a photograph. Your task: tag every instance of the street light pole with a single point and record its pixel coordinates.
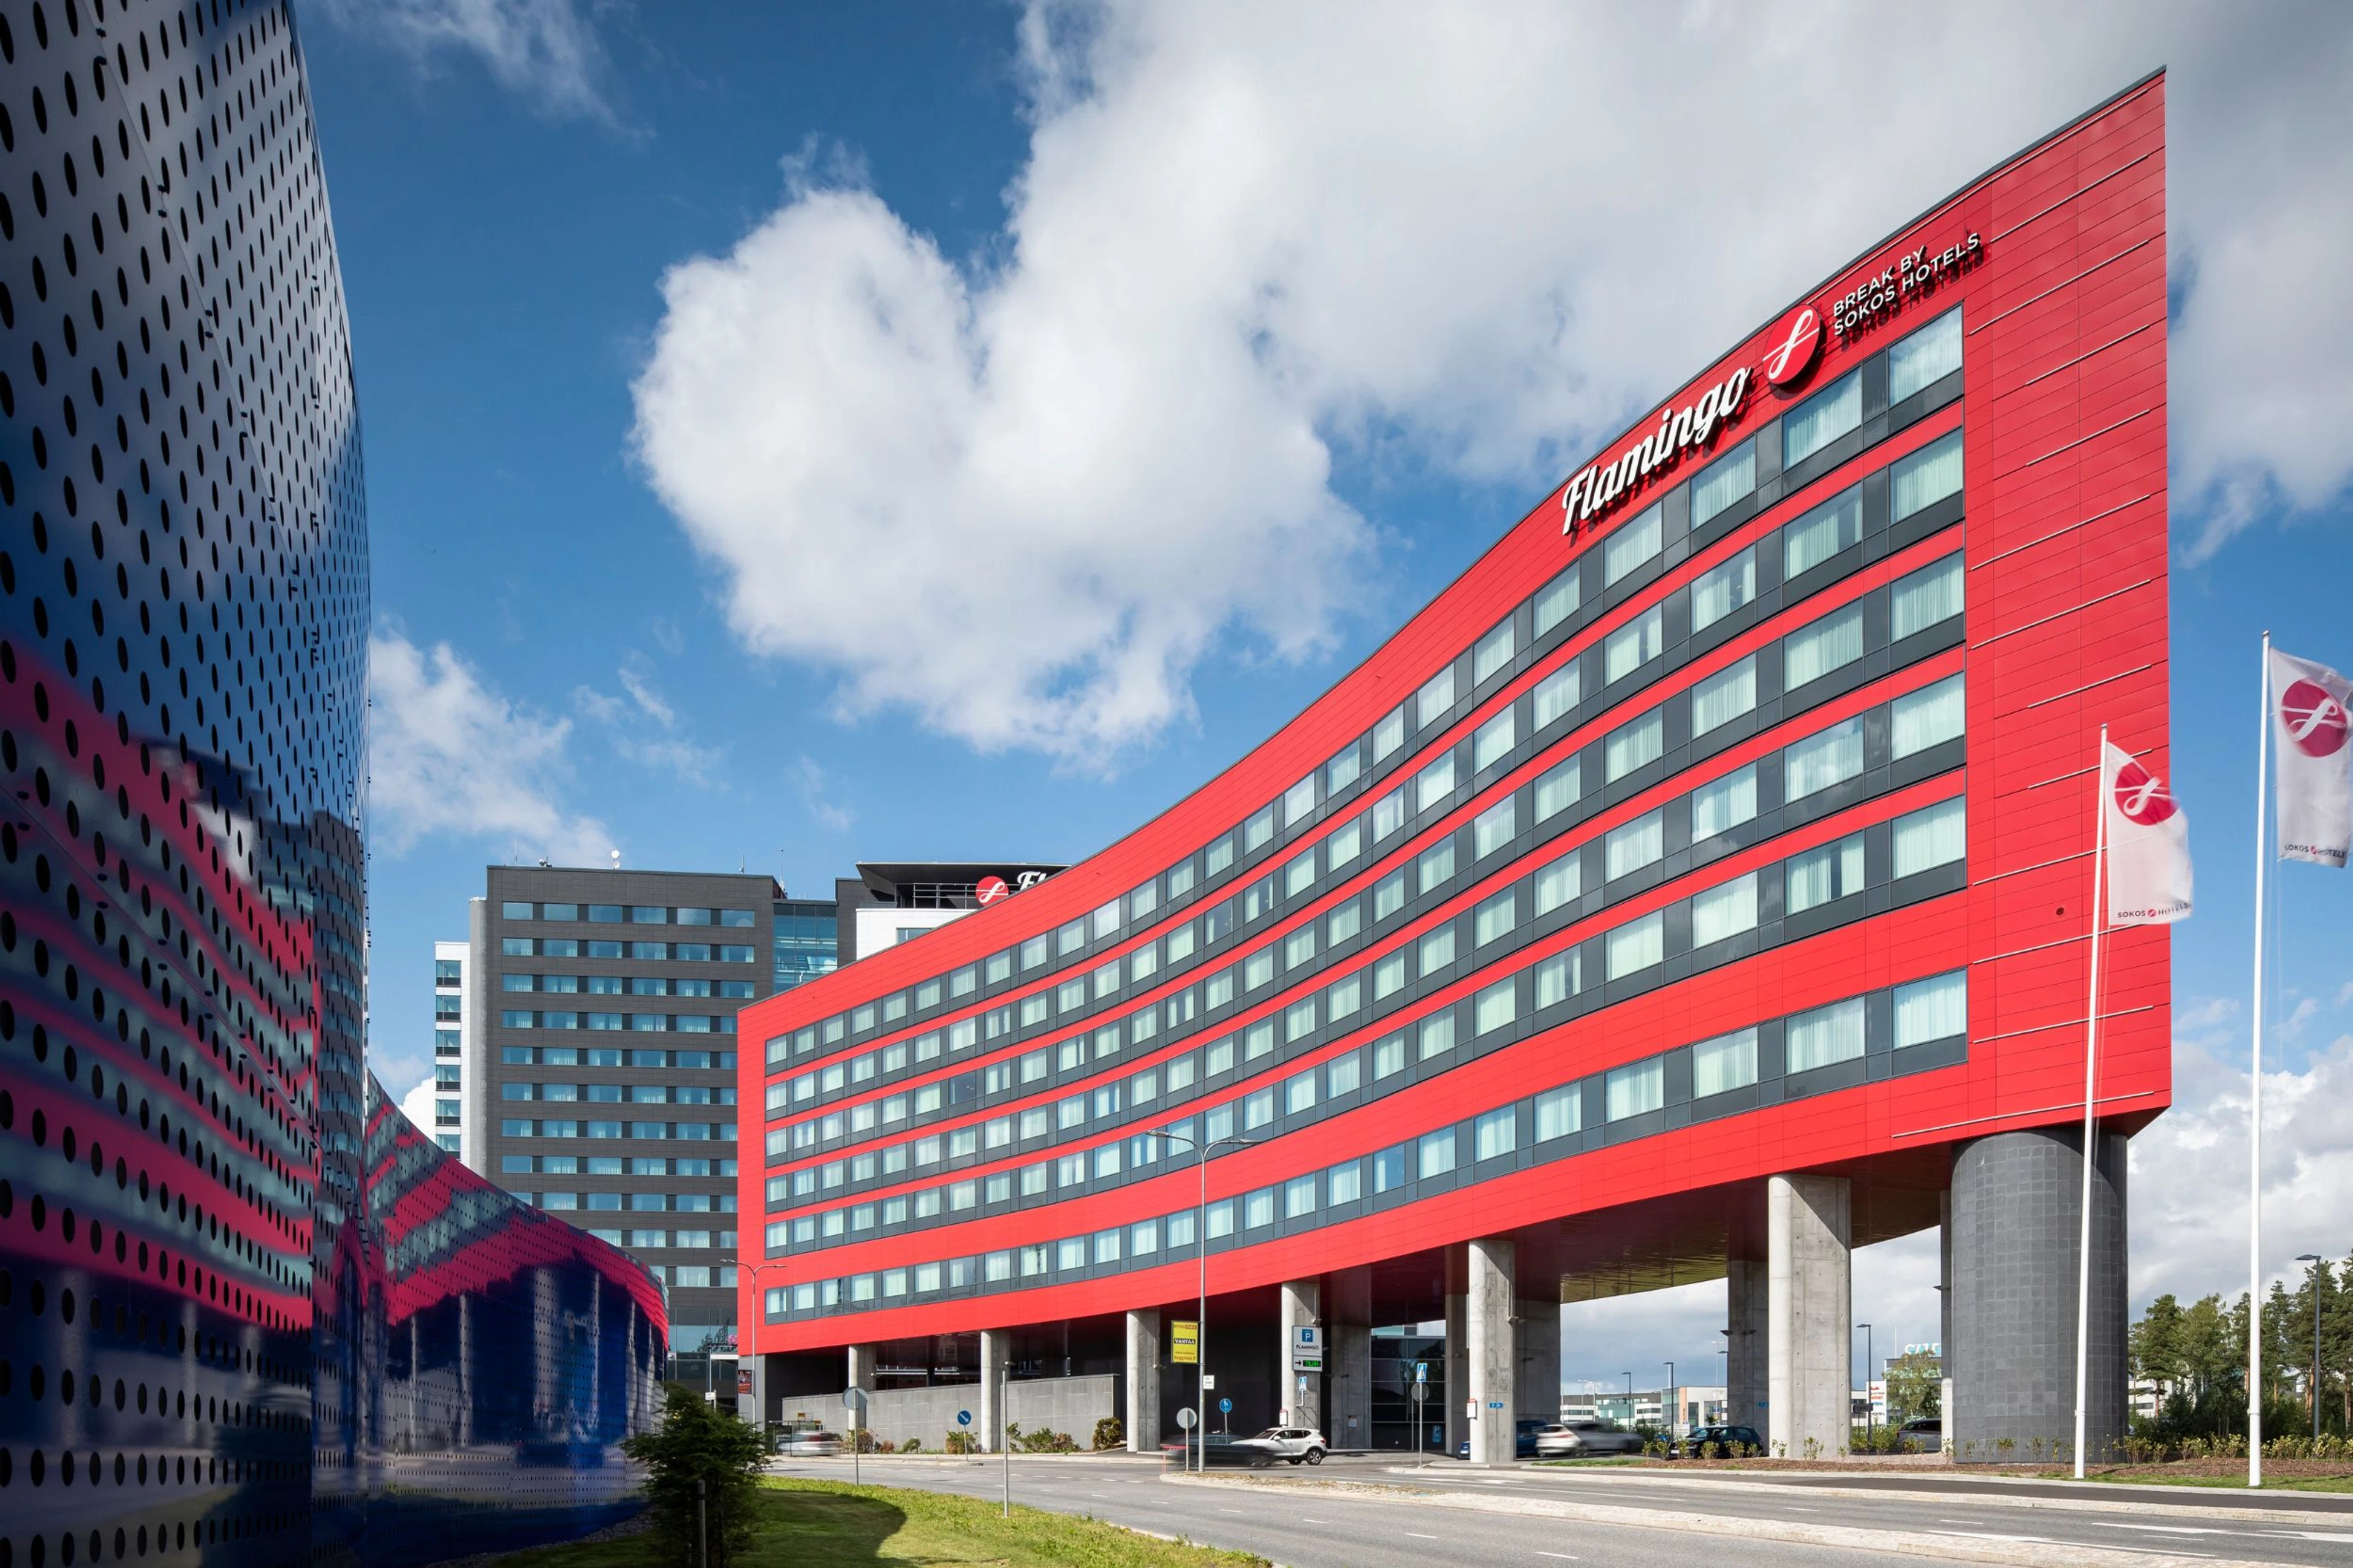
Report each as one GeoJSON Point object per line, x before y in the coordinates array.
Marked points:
{"type": "Point", "coordinates": [2313, 1258]}
{"type": "Point", "coordinates": [1868, 1414]}
{"type": "Point", "coordinates": [1201, 1281]}
{"type": "Point", "coordinates": [1670, 1418]}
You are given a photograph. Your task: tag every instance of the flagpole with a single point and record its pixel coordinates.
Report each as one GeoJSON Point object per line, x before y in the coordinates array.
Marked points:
{"type": "Point", "coordinates": [2091, 1069]}
{"type": "Point", "coordinates": [2255, 1097]}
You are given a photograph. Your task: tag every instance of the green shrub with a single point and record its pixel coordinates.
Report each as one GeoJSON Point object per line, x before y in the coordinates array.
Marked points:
{"type": "Point", "coordinates": [1110, 1434]}
{"type": "Point", "coordinates": [699, 1442]}
{"type": "Point", "coordinates": [960, 1441]}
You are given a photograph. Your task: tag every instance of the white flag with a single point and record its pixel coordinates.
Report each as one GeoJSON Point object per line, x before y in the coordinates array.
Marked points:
{"type": "Point", "coordinates": [2316, 787]}
{"type": "Point", "coordinates": [2149, 844]}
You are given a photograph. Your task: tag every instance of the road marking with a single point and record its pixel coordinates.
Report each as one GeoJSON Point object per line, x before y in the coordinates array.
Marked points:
{"type": "Point", "coordinates": [1564, 1556]}
{"type": "Point", "coordinates": [1419, 1536]}
{"type": "Point", "coordinates": [2170, 1528]}
{"type": "Point", "coordinates": [2308, 1535]}
{"type": "Point", "coordinates": [1238, 1510]}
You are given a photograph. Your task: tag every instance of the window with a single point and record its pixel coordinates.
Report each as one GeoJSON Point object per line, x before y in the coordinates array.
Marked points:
{"type": "Point", "coordinates": [1389, 733]}
{"type": "Point", "coordinates": [1637, 945]}
{"type": "Point", "coordinates": [1389, 976]}
{"type": "Point", "coordinates": [1558, 600]}
{"type": "Point", "coordinates": [1495, 1133]}
{"type": "Point", "coordinates": [1388, 813]}
{"type": "Point", "coordinates": [1557, 694]}
{"type": "Point", "coordinates": [1346, 843]}
{"type": "Point", "coordinates": [1344, 997]}
{"type": "Point", "coordinates": [1821, 419]}
{"type": "Point", "coordinates": [1340, 1076]}
{"type": "Point", "coordinates": [1634, 645]}
{"type": "Point", "coordinates": [1831, 643]}
{"type": "Point", "coordinates": [1436, 866]}
{"type": "Point", "coordinates": [1341, 772]}
{"type": "Point", "coordinates": [1342, 923]}
{"type": "Point", "coordinates": [1558, 1113]}
{"type": "Point", "coordinates": [1818, 761]}
{"type": "Point", "coordinates": [1495, 918]}
{"type": "Point", "coordinates": [1558, 789]}
{"type": "Point", "coordinates": [1934, 836]}
{"type": "Point", "coordinates": [1722, 805]}
{"type": "Point", "coordinates": [1722, 482]}
{"type": "Point", "coordinates": [1723, 1064]}
{"type": "Point", "coordinates": [1559, 977]}
{"type": "Point", "coordinates": [1928, 717]}
{"type": "Point", "coordinates": [1388, 1058]}
{"type": "Point", "coordinates": [1820, 875]}
{"type": "Point", "coordinates": [1494, 827]}
{"type": "Point", "coordinates": [1634, 1089]}
{"type": "Point", "coordinates": [1559, 882]}
{"type": "Point", "coordinates": [1635, 845]}
{"type": "Point", "coordinates": [1437, 1034]}
{"type": "Point", "coordinates": [1822, 533]}
{"type": "Point", "coordinates": [1298, 803]}
{"type": "Point", "coordinates": [1725, 912]}
{"type": "Point", "coordinates": [1721, 590]}
{"type": "Point", "coordinates": [1221, 1219]}
{"type": "Point", "coordinates": [1496, 1006]}
{"type": "Point", "coordinates": [1921, 600]}
{"type": "Point", "coordinates": [1724, 696]}
{"type": "Point", "coordinates": [1932, 1009]}
{"type": "Point", "coordinates": [1633, 544]}
{"type": "Point", "coordinates": [1144, 1236]}
{"type": "Point", "coordinates": [1258, 1208]}
{"type": "Point", "coordinates": [1927, 477]}
{"type": "Point", "coordinates": [1299, 876]}
{"type": "Point", "coordinates": [1436, 1154]}
{"type": "Point", "coordinates": [1634, 745]}
{"type": "Point", "coordinates": [1492, 742]}
{"type": "Point", "coordinates": [1388, 1169]}
{"type": "Point", "coordinates": [1826, 1035]}
{"type": "Point", "coordinates": [1438, 949]}
{"type": "Point", "coordinates": [1493, 652]}
{"type": "Point", "coordinates": [1435, 783]}
{"type": "Point", "coordinates": [1344, 1183]}
{"type": "Point", "coordinates": [1924, 358]}
{"type": "Point", "coordinates": [1433, 701]}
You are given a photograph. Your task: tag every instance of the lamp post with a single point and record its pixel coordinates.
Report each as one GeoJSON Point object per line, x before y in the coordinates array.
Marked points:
{"type": "Point", "coordinates": [759, 1317]}
{"type": "Point", "coordinates": [1201, 1283]}
{"type": "Point", "coordinates": [1868, 1422]}
{"type": "Point", "coordinates": [2313, 1258]}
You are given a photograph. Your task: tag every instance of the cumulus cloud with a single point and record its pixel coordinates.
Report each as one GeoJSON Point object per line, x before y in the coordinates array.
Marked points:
{"type": "Point", "coordinates": [450, 755]}
{"type": "Point", "coordinates": [418, 1105]}
{"type": "Point", "coordinates": [546, 50]}
{"type": "Point", "coordinates": [1023, 493]}
{"type": "Point", "coordinates": [644, 727]}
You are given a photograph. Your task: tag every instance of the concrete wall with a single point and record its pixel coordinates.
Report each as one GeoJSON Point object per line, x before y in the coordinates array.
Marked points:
{"type": "Point", "coordinates": [1071, 1405]}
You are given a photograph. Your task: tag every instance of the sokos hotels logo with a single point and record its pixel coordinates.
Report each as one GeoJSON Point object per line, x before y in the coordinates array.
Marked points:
{"type": "Point", "coordinates": [2315, 721]}
{"type": "Point", "coordinates": [2142, 797]}
{"type": "Point", "coordinates": [1801, 345]}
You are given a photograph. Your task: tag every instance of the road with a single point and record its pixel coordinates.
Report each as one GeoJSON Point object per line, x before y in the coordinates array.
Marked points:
{"type": "Point", "coordinates": [1296, 1521]}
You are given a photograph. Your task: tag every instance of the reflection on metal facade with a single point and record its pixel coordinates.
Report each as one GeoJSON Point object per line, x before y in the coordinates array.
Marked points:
{"type": "Point", "coordinates": [247, 1315]}
{"type": "Point", "coordinates": [1726, 818]}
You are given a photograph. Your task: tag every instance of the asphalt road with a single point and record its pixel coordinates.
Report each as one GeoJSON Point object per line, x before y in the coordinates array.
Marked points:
{"type": "Point", "coordinates": [1303, 1527]}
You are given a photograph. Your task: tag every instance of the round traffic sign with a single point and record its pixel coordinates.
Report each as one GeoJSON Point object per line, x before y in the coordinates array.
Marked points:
{"type": "Point", "coordinates": [964, 1418]}
{"type": "Point", "coordinates": [1225, 1407]}
{"type": "Point", "coordinates": [989, 890]}
{"type": "Point", "coordinates": [1184, 1418]}
{"type": "Point", "coordinates": [853, 1399]}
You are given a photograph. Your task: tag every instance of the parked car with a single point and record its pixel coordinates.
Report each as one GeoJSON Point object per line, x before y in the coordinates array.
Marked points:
{"type": "Point", "coordinates": [810, 1445]}
{"type": "Point", "coordinates": [1294, 1445]}
{"type": "Point", "coordinates": [1582, 1439]}
{"type": "Point", "coordinates": [1923, 1435]}
{"type": "Point", "coordinates": [1726, 1442]}
{"type": "Point", "coordinates": [1223, 1448]}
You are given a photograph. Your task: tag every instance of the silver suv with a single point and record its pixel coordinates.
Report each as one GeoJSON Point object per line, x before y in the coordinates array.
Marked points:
{"type": "Point", "coordinates": [1294, 1445]}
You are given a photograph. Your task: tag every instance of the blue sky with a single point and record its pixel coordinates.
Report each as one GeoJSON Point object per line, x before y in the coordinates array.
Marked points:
{"type": "Point", "coordinates": [797, 435]}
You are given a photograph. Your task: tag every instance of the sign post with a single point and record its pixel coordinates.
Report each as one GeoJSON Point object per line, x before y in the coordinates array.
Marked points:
{"type": "Point", "coordinates": [1420, 1392]}
{"type": "Point", "coordinates": [853, 1399]}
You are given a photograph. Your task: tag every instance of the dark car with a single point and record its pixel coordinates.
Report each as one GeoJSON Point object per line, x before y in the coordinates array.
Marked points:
{"type": "Point", "coordinates": [1721, 1442]}
{"type": "Point", "coordinates": [1221, 1449]}
{"type": "Point", "coordinates": [1923, 1435]}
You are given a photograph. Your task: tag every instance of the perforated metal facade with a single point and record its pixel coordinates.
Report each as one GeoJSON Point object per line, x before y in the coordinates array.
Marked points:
{"type": "Point", "coordinates": [246, 1314]}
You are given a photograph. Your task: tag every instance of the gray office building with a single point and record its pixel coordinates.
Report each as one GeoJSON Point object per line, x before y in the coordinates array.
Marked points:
{"type": "Point", "coordinates": [600, 1071]}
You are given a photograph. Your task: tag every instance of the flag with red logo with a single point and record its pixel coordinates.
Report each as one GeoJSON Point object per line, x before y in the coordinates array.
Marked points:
{"type": "Point", "coordinates": [2148, 844]}
{"type": "Point", "coordinates": [2315, 783]}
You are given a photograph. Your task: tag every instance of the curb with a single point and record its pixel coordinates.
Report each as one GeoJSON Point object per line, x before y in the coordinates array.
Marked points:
{"type": "Point", "coordinates": [1905, 1542]}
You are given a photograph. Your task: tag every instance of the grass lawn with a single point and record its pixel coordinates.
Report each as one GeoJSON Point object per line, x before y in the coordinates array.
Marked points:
{"type": "Point", "coordinates": [823, 1524]}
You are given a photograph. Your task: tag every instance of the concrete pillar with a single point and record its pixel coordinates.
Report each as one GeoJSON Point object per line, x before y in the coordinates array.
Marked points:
{"type": "Point", "coordinates": [1493, 1356]}
{"type": "Point", "coordinates": [1747, 1312]}
{"type": "Point", "coordinates": [1144, 1380]}
{"type": "Point", "coordinates": [1807, 1222]}
{"type": "Point", "coordinates": [1457, 1378]}
{"type": "Point", "coordinates": [995, 1352]}
{"type": "Point", "coordinates": [1945, 1350]}
{"type": "Point", "coordinates": [2016, 1211]}
{"type": "Point", "coordinates": [1348, 1359]}
{"type": "Point", "coordinates": [1538, 1378]}
{"type": "Point", "coordinates": [1299, 1394]}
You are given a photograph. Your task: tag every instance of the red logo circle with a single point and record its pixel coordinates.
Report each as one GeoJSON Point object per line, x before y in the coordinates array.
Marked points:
{"type": "Point", "coordinates": [990, 890]}
{"type": "Point", "coordinates": [2142, 795]}
{"type": "Point", "coordinates": [2315, 720]}
{"type": "Point", "coordinates": [1801, 342]}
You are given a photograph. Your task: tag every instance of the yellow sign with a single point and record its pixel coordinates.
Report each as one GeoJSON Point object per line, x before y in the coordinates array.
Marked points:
{"type": "Point", "coordinates": [1184, 1344]}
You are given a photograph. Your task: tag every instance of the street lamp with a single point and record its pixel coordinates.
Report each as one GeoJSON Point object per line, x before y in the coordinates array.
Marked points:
{"type": "Point", "coordinates": [2313, 1258]}
{"type": "Point", "coordinates": [759, 1319]}
{"type": "Point", "coordinates": [1867, 1411]}
{"type": "Point", "coordinates": [1201, 1258]}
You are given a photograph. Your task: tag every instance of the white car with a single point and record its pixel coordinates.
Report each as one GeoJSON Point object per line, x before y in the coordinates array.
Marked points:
{"type": "Point", "coordinates": [1292, 1445]}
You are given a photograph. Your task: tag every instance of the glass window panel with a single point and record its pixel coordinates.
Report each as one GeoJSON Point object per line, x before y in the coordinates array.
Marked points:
{"type": "Point", "coordinates": [1722, 482]}
{"type": "Point", "coordinates": [1299, 801]}
{"type": "Point", "coordinates": [1720, 590]}
{"type": "Point", "coordinates": [1637, 946]}
{"type": "Point", "coordinates": [1818, 761]}
{"type": "Point", "coordinates": [1436, 866]}
{"type": "Point", "coordinates": [1495, 917]}
{"type": "Point", "coordinates": [1724, 696]}
{"type": "Point", "coordinates": [1343, 922]}
{"type": "Point", "coordinates": [1919, 601]}
{"type": "Point", "coordinates": [1558, 692]}
{"type": "Point", "coordinates": [1928, 717]}
{"type": "Point", "coordinates": [1388, 813]}
{"type": "Point", "coordinates": [1721, 804]}
{"type": "Point", "coordinates": [1437, 1033]}
{"type": "Point", "coordinates": [1634, 645]}
{"type": "Point", "coordinates": [1560, 882]}
{"type": "Point", "coordinates": [1298, 1196]}
{"type": "Point", "coordinates": [1299, 876]}
{"type": "Point", "coordinates": [1934, 836]}
{"type": "Point", "coordinates": [1635, 845]}
{"type": "Point", "coordinates": [1558, 600]}
{"type": "Point", "coordinates": [1258, 828]}
{"type": "Point", "coordinates": [1388, 1058]}
{"type": "Point", "coordinates": [1495, 1133]}
{"type": "Point", "coordinates": [1725, 1063]}
{"type": "Point", "coordinates": [1389, 976]}
{"type": "Point", "coordinates": [1340, 1076]}
{"type": "Point", "coordinates": [1822, 533]}
{"type": "Point", "coordinates": [1636, 1087]}
{"type": "Point", "coordinates": [1826, 1035]}
{"type": "Point", "coordinates": [1819, 876]}
{"type": "Point", "coordinates": [1558, 789]}
{"type": "Point", "coordinates": [1634, 745]}
{"type": "Point", "coordinates": [1932, 1009]}
{"type": "Point", "coordinates": [1493, 652]}
{"type": "Point", "coordinates": [1388, 734]}
{"type": "Point", "coordinates": [1437, 949]}
{"type": "Point", "coordinates": [1559, 1112]}
{"type": "Point", "coordinates": [1341, 771]}
{"type": "Point", "coordinates": [1559, 977]}
{"type": "Point", "coordinates": [1435, 783]}
{"type": "Point", "coordinates": [1927, 477]}
{"type": "Point", "coordinates": [1494, 1007]}
{"type": "Point", "coordinates": [1344, 1183]}
{"type": "Point", "coordinates": [1388, 1169]}
{"type": "Point", "coordinates": [1821, 418]}
{"type": "Point", "coordinates": [1495, 827]}
{"type": "Point", "coordinates": [1346, 843]}
{"type": "Point", "coordinates": [1925, 357]}
{"type": "Point", "coordinates": [1494, 741]}
{"type": "Point", "coordinates": [1436, 1154]}
{"type": "Point", "coordinates": [1435, 699]}
{"type": "Point", "coordinates": [1299, 1093]}
{"type": "Point", "coordinates": [1725, 912]}
{"type": "Point", "coordinates": [1831, 643]}
{"type": "Point", "coordinates": [1633, 543]}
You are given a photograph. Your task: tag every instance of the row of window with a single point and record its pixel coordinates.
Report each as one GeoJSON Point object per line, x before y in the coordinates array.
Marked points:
{"type": "Point", "coordinates": [1708, 711]}
{"type": "Point", "coordinates": [626, 985]}
{"type": "Point", "coordinates": [1516, 1003]}
{"type": "Point", "coordinates": [691, 1131]}
{"type": "Point", "coordinates": [649, 1240]}
{"type": "Point", "coordinates": [599, 947]}
{"type": "Point", "coordinates": [1521, 818]}
{"type": "Point", "coordinates": [615, 1093]}
{"type": "Point", "coordinates": [649, 1203]}
{"type": "Point", "coordinates": [684, 1276]}
{"type": "Point", "coordinates": [632, 914]}
{"type": "Point", "coordinates": [1582, 590]}
{"type": "Point", "coordinates": [1925, 1020]}
{"type": "Point", "coordinates": [612, 1165]}
{"type": "Point", "coordinates": [641, 1023]}
{"type": "Point", "coordinates": [612, 1056]}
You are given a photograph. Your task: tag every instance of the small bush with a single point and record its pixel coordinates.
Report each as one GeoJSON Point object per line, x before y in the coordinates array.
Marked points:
{"type": "Point", "coordinates": [960, 1441]}
{"type": "Point", "coordinates": [1110, 1434]}
{"type": "Point", "coordinates": [912, 1445]}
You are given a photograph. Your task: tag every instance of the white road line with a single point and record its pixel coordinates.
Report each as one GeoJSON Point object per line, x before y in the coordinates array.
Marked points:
{"type": "Point", "coordinates": [1238, 1510]}
{"type": "Point", "coordinates": [1419, 1536]}
{"type": "Point", "coordinates": [2308, 1535]}
{"type": "Point", "coordinates": [2162, 1529]}
{"type": "Point", "coordinates": [1564, 1556]}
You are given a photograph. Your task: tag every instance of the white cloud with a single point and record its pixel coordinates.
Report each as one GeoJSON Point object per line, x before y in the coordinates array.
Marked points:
{"type": "Point", "coordinates": [1023, 494]}
{"type": "Point", "coordinates": [418, 1105]}
{"type": "Point", "coordinates": [546, 50]}
{"type": "Point", "coordinates": [817, 792]}
{"type": "Point", "coordinates": [449, 755]}
{"type": "Point", "coordinates": [644, 727]}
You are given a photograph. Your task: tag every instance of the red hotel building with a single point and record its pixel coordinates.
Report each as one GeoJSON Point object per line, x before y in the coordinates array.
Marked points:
{"type": "Point", "coordinates": [1695, 888]}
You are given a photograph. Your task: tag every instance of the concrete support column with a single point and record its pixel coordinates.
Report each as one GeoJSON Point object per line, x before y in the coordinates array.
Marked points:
{"type": "Point", "coordinates": [1945, 1350]}
{"type": "Point", "coordinates": [1348, 1359]}
{"type": "Point", "coordinates": [1538, 1378]}
{"type": "Point", "coordinates": [1493, 1356]}
{"type": "Point", "coordinates": [1458, 1379]}
{"type": "Point", "coordinates": [995, 1351]}
{"type": "Point", "coordinates": [1808, 1229]}
{"type": "Point", "coordinates": [1747, 1312]}
{"type": "Point", "coordinates": [1144, 1380]}
{"type": "Point", "coordinates": [861, 1375]}
{"type": "Point", "coordinates": [2017, 1213]}
{"type": "Point", "coordinates": [1299, 1394]}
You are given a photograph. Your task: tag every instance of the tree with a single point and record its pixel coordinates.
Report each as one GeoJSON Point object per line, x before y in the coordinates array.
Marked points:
{"type": "Point", "coordinates": [1915, 1386]}
{"type": "Point", "coordinates": [698, 1442]}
